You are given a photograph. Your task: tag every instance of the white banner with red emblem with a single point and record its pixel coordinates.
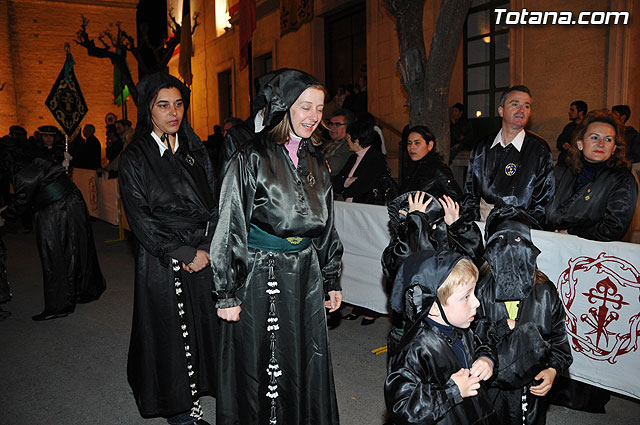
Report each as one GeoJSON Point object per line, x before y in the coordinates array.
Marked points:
{"type": "Point", "coordinates": [598, 282]}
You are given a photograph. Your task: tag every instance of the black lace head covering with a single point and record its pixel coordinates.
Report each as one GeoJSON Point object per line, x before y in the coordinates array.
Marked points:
{"type": "Point", "coordinates": [510, 252]}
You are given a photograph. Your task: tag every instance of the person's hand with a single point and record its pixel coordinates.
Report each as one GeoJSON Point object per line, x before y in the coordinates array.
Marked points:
{"type": "Point", "coordinates": [564, 232]}
{"type": "Point", "coordinates": [467, 384]}
{"type": "Point", "coordinates": [547, 376]}
{"type": "Point", "coordinates": [417, 203]}
{"type": "Point", "coordinates": [482, 368]}
{"type": "Point", "coordinates": [68, 156]}
{"type": "Point", "coordinates": [451, 209]}
{"type": "Point", "coordinates": [349, 181]}
{"type": "Point", "coordinates": [511, 323]}
{"type": "Point", "coordinates": [230, 314]}
{"type": "Point", "coordinates": [334, 301]}
{"type": "Point", "coordinates": [199, 262]}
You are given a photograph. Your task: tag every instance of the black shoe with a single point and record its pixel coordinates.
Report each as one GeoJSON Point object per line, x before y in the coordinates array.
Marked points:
{"type": "Point", "coordinates": [48, 316]}
{"type": "Point", "coordinates": [351, 316]}
{"type": "Point", "coordinates": [201, 422]}
{"type": "Point", "coordinates": [367, 322]}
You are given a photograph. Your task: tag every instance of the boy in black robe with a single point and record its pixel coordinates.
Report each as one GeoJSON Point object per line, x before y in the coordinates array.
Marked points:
{"type": "Point", "coordinates": [435, 375]}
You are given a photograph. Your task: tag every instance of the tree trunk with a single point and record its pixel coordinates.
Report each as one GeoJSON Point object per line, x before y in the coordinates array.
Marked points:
{"type": "Point", "coordinates": [427, 82]}
{"type": "Point", "coordinates": [442, 55]}
{"type": "Point", "coordinates": [413, 57]}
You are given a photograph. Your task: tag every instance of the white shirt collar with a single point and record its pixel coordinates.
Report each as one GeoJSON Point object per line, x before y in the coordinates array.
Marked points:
{"type": "Point", "coordinates": [516, 142]}
{"type": "Point", "coordinates": [161, 146]}
{"type": "Point", "coordinates": [258, 122]}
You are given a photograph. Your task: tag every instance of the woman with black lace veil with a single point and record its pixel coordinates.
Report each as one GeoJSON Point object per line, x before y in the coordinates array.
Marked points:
{"type": "Point", "coordinates": [167, 182]}
{"type": "Point", "coordinates": [276, 259]}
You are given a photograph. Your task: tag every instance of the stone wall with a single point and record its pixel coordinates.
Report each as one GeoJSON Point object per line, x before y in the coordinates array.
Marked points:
{"type": "Point", "coordinates": [32, 37]}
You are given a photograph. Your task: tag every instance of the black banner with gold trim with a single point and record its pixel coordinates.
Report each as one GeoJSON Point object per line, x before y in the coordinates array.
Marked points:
{"type": "Point", "coordinates": [65, 101]}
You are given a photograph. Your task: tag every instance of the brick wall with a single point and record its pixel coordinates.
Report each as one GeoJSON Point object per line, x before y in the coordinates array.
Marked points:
{"type": "Point", "coordinates": [32, 37]}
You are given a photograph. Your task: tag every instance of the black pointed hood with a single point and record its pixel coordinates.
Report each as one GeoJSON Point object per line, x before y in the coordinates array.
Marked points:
{"type": "Point", "coordinates": [510, 252]}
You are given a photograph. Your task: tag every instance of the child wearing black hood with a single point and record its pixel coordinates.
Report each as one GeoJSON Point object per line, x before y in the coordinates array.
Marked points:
{"type": "Point", "coordinates": [434, 375]}
{"type": "Point", "coordinates": [523, 316]}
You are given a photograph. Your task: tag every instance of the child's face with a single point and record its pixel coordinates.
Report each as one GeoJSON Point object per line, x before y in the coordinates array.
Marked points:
{"type": "Point", "coordinates": [461, 305]}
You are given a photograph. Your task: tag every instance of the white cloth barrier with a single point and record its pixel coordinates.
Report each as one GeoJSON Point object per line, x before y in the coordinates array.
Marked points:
{"type": "Point", "coordinates": [598, 282]}
{"type": "Point", "coordinates": [100, 194]}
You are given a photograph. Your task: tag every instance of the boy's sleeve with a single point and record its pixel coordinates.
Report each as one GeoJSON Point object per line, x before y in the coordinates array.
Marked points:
{"type": "Point", "coordinates": [412, 396]}
{"type": "Point", "coordinates": [560, 358]}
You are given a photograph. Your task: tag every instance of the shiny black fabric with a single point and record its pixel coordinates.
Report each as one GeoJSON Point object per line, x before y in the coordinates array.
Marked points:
{"type": "Point", "coordinates": [431, 175]}
{"type": "Point", "coordinates": [369, 173]}
{"type": "Point", "coordinates": [262, 187]}
{"type": "Point", "coordinates": [538, 341]}
{"type": "Point", "coordinates": [419, 388]}
{"type": "Point", "coordinates": [428, 269]}
{"type": "Point", "coordinates": [172, 212]}
{"type": "Point", "coordinates": [601, 210]}
{"type": "Point", "coordinates": [510, 252]}
{"type": "Point", "coordinates": [531, 186]}
{"type": "Point", "coordinates": [281, 91]}
{"type": "Point", "coordinates": [416, 233]}
{"type": "Point", "coordinates": [70, 269]}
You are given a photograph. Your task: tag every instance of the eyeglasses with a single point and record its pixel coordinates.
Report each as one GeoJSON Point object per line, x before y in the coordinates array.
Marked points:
{"type": "Point", "coordinates": [335, 124]}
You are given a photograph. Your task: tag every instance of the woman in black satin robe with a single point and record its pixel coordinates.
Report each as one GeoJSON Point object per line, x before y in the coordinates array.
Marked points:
{"type": "Point", "coordinates": [426, 171]}
{"type": "Point", "coordinates": [70, 270]}
{"type": "Point", "coordinates": [166, 182]}
{"type": "Point", "coordinates": [596, 194]}
{"type": "Point", "coordinates": [275, 256]}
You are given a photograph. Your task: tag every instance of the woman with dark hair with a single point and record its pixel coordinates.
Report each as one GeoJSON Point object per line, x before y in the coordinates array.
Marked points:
{"type": "Point", "coordinates": [426, 171]}
{"type": "Point", "coordinates": [275, 257]}
{"type": "Point", "coordinates": [360, 177]}
{"type": "Point", "coordinates": [596, 194]}
{"type": "Point", "coordinates": [167, 182]}
{"type": "Point", "coordinates": [70, 270]}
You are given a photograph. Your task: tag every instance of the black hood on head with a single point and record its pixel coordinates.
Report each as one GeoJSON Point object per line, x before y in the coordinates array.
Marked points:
{"type": "Point", "coordinates": [419, 277]}
{"type": "Point", "coordinates": [281, 92]}
{"type": "Point", "coordinates": [510, 252]}
{"type": "Point", "coordinates": [148, 87]}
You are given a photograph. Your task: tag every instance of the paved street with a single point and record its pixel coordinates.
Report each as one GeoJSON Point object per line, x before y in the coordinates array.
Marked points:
{"type": "Point", "coordinates": [72, 371]}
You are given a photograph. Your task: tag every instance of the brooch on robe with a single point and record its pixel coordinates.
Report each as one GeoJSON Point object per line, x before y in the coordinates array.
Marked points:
{"type": "Point", "coordinates": [190, 160]}
{"type": "Point", "coordinates": [510, 169]}
{"type": "Point", "coordinates": [586, 198]}
{"type": "Point", "coordinates": [294, 240]}
{"type": "Point", "coordinates": [311, 179]}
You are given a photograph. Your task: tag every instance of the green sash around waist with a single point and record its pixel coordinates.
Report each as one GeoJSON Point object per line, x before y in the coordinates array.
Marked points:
{"type": "Point", "coordinates": [259, 239]}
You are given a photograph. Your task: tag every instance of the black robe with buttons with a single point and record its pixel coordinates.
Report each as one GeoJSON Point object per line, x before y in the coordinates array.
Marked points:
{"type": "Point", "coordinates": [172, 212]}
{"type": "Point", "coordinates": [523, 179]}
{"type": "Point", "coordinates": [262, 187]}
{"type": "Point", "coordinates": [601, 210]}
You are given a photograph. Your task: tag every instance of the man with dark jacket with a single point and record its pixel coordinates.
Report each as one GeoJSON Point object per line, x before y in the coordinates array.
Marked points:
{"type": "Point", "coordinates": [513, 166]}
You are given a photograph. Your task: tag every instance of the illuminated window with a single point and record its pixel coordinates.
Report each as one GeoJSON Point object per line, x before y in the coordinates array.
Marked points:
{"type": "Point", "coordinates": [222, 16]}
{"type": "Point", "coordinates": [486, 59]}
